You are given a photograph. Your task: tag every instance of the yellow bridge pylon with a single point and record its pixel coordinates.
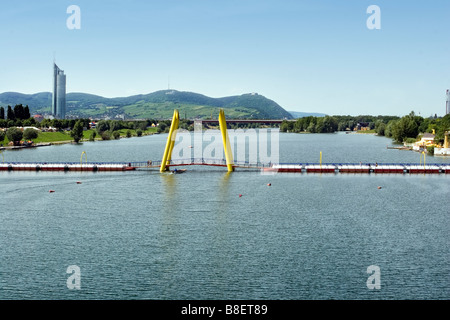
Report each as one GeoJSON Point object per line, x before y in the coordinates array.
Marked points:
{"type": "Point", "coordinates": [226, 141]}
{"type": "Point", "coordinates": [173, 132]}
{"type": "Point", "coordinates": [170, 141]}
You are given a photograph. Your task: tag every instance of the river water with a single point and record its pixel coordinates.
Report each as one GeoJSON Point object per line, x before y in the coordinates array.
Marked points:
{"type": "Point", "coordinates": [147, 235]}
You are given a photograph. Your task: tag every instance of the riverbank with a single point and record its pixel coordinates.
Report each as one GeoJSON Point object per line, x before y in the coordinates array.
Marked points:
{"type": "Point", "coordinates": [55, 138]}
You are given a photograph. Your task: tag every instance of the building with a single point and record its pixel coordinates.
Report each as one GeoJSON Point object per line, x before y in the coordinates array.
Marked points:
{"type": "Point", "coordinates": [426, 140]}
{"type": "Point", "coordinates": [447, 103]}
{"type": "Point", "coordinates": [38, 117]}
{"type": "Point", "coordinates": [59, 93]}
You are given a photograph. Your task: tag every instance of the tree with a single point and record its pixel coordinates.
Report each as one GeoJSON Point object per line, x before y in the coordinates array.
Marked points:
{"type": "Point", "coordinates": [26, 112]}
{"type": "Point", "coordinates": [18, 111]}
{"type": "Point", "coordinates": [102, 126]}
{"type": "Point", "coordinates": [113, 126]}
{"type": "Point", "coordinates": [10, 114]}
{"type": "Point", "coordinates": [30, 134]}
{"type": "Point", "coordinates": [330, 124]}
{"type": "Point", "coordinates": [93, 135]}
{"type": "Point", "coordinates": [2, 136]}
{"type": "Point", "coordinates": [14, 134]}
{"type": "Point", "coordinates": [57, 123]}
{"type": "Point", "coordinates": [142, 126]}
{"type": "Point", "coordinates": [77, 131]}
{"type": "Point", "coordinates": [311, 127]}
{"type": "Point", "coordinates": [380, 128]}
{"type": "Point", "coordinates": [2, 113]}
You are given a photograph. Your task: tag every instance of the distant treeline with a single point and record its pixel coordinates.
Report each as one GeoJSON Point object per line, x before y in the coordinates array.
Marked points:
{"type": "Point", "coordinates": [329, 124]}
{"type": "Point", "coordinates": [409, 127]}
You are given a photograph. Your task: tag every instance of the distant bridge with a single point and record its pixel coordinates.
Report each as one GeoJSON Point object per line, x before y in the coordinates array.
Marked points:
{"type": "Point", "coordinates": [265, 121]}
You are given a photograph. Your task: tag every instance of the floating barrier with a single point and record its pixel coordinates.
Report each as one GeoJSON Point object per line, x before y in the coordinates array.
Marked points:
{"type": "Point", "coordinates": [424, 169]}
{"type": "Point", "coordinates": [361, 168]}
{"type": "Point", "coordinates": [321, 168]}
{"type": "Point", "coordinates": [64, 167]}
{"type": "Point", "coordinates": [284, 168]}
{"type": "Point", "coordinates": [350, 168]}
{"type": "Point", "coordinates": [389, 169]}
{"type": "Point", "coordinates": [393, 168]}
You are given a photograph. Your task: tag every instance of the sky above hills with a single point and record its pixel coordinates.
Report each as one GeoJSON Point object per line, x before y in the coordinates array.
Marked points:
{"type": "Point", "coordinates": [311, 56]}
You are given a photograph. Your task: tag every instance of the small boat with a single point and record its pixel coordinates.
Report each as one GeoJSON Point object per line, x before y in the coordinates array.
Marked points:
{"type": "Point", "coordinates": [178, 171]}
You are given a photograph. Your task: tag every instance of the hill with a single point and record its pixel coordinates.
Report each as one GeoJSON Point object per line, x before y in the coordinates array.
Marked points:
{"type": "Point", "coordinates": [157, 105]}
{"type": "Point", "coordinates": [297, 114]}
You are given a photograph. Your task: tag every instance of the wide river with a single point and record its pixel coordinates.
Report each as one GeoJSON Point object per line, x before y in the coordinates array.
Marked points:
{"type": "Point", "coordinates": [147, 235]}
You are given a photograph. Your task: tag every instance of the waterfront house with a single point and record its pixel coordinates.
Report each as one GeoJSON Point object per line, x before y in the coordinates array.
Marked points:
{"type": "Point", "coordinates": [426, 140]}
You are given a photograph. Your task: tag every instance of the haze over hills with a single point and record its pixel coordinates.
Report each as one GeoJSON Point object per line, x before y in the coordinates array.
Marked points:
{"type": "Point", "coordinates": [157, 105]}
{"type": "Point", "coordinates": [297, 114]}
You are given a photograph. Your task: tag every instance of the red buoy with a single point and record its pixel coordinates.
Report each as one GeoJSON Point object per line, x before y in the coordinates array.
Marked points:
{"type": "Point", "coordinates": [240, 195]}
{"type": "Point", "coordinates": [78, 182]}
{"type": "Point", "coordinates": [269, 184]}
{"type": "Point", "coordinates": [51, 191]}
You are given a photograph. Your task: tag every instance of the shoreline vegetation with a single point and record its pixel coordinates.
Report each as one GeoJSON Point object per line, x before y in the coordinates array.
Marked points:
{"type": "Point", "coordinates": [57, 138]}
{"type": "Point", "coordinates": [405, 130]}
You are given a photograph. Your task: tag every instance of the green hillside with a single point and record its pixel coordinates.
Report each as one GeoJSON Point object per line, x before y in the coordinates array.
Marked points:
{"type": "Point", "coordinates": [156, 105]}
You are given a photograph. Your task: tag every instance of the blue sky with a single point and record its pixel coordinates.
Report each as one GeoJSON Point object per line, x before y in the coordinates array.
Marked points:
{"type": "Point", "coordinates": [311, 56]}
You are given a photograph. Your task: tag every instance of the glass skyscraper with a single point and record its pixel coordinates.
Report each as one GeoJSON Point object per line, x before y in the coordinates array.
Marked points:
{"type": "Point", "coordinates": [59, 93]}
{"type": "Point", "coordinates": [447, 105]}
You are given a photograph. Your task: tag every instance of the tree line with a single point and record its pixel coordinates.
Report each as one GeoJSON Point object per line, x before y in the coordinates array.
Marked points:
{"type": "Point", "coordinates": [18, 113]}
{"type": "Point", "coordinates": [330, 124]}
{"type": "Point", "coordinates": [408, 128]}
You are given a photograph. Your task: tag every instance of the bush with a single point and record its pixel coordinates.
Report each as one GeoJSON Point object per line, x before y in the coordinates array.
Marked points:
{"type": "Point", "coordinates": [116, 135]}
{"type": "Point", "coordinates": [139, 132]}
{"type": "Point", "coordinates": [430, 150]}
{"type": "Point", "coordinates": [30, 134]}
{"type": "Point", "coordinates": [106, 135]}
{"type": "Point", "coordinates": [129, 134]}
{"type": "Point", "coordinates": [410, 140]}
{"type": "Point", "coordinates": [14, 134]}
{"type": "Point", "coordinates": [2, 136]}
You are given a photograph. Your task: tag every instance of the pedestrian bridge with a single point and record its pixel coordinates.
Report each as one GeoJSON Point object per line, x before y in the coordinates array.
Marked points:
{"type": "Point", "coordinates": [368, 168]}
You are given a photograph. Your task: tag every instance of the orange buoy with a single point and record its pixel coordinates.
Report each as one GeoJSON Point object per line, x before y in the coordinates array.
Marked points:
{"type": "Point", "coordinates": [379, 187]}
{"type": "Point", "coordinates": [269, 184]}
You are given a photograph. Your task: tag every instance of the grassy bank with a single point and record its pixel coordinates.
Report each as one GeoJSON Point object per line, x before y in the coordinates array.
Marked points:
{"type": "Point", "coordinates": [64, 137]}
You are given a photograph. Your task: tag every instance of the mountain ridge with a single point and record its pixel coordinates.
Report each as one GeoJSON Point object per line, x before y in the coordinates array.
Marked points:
{"type": "Point", "coordinates": [158, 104]}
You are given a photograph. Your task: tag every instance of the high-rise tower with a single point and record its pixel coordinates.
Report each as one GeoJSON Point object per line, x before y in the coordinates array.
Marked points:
{"type": "Point", "coordinates": [447, 103]}
{"type": "Point", "coordinates": [59, 93]}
